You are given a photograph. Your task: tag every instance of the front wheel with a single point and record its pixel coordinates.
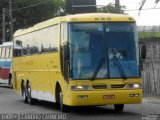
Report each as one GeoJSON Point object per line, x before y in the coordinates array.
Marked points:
{"type": "Point", "coordinates": [63, 107]}
{"type": "Point", "coordinates": [119, 107]}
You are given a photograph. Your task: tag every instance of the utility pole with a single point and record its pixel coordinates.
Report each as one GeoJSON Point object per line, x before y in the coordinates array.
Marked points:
{"type": "Point", "coordinates": [117, 6]}
{"type": "Point", "coordinates": [4, 27]}
{"type": "Point", "coordinates": [11, 21]}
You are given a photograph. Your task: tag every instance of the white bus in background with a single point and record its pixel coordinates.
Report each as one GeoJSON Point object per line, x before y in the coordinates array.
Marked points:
{"type": "Point", "coordinates": [6, 63]}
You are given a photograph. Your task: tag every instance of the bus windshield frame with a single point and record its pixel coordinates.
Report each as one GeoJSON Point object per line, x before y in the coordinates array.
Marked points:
{"type": "Point", "coordinates": [103, 50]}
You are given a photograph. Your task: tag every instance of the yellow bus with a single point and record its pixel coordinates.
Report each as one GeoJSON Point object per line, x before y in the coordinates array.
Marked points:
{"type": "Point", "coordinates": [79, 60]}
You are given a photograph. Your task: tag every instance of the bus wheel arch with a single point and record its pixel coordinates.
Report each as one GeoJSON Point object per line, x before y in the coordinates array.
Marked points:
{"type": "Point", "coordinates": [57, 90]}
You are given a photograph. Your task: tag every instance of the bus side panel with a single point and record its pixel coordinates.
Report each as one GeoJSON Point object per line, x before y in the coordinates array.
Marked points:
{"type": "Point", "coordinates": [42, 71]}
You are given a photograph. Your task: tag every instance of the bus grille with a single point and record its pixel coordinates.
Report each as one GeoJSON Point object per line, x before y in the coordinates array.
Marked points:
{"type": "Point", "coordinates": [117, 86]}
{"type": "Point", "coordinates": [99, 86]}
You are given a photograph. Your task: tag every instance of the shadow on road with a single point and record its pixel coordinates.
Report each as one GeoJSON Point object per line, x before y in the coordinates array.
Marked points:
{"type": "Point", "coordinates": [88, 111]}
{"type": "Point", "coordinates": [5, 86]}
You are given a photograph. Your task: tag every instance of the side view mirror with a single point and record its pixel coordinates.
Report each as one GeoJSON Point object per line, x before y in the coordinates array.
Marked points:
{"type": "Point", "coordinates": [143, 52]}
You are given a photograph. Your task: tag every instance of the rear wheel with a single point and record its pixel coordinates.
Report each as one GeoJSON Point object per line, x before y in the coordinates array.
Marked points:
{"type": "Point", "coordinates": [23, 93]}
{"type": "Point", "coordinates": [119, 107]}
{"type": "Point", "coordinates": [30, 100]}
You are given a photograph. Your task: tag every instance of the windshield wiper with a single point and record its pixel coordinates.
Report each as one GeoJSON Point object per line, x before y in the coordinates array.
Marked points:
{"type": "Point", "coordinates": [119, 66]}
{"type": "Point", "coordinates": [97, 69]}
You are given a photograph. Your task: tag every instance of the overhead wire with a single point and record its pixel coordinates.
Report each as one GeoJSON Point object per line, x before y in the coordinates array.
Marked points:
{"type": "Point", "coordinates": [141, 9]}
{"type": "Point", "coordinates": [31, 5]}
{"type": "Point", "coordinates": [1, 17]}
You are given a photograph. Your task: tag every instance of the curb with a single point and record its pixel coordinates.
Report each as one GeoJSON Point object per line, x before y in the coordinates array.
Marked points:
{"type": "Point", "coordinates": [153, 100]}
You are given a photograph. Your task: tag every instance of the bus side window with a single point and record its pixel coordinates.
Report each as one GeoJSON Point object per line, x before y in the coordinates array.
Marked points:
{"type": "Point", "coordinates": [28, 50]}
{"type": "Point", "coordinates": [3, 52]}
{"type": "Point", "coordinates": [7, 52]}
{"type": "Point", "coordinates": [54, 46]}
{"type": "Point", "coordinates": [10, 52]}
{"type": "Point", "coordinates": [24, 51]}
{"type": "Point", "coordinates": [17, 52]}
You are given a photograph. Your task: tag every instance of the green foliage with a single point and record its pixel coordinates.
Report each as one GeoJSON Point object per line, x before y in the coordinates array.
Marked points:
{"type": "Point", "coordinates": [110, 8]}
{"type": "Point", "coordinates": [32, 15]}
{"type": "Point", "coordinates": [148, 34]}
{"type": "Point", "coordinates": [29, 16]}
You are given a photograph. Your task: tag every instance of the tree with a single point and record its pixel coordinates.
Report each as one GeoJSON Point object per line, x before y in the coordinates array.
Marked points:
{"type": "Point", "coordinates": [26, 13]}
{"type": "Point", "coordinates": [38, 13]}
{"type": "Point", "coordinates": [110, 8]}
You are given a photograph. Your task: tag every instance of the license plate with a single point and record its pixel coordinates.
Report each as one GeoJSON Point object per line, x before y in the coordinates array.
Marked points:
{"type": "Point", "coordinates": [109, 97]}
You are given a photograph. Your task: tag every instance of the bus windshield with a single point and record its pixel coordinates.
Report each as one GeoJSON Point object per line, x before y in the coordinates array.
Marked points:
{"type": "Point", "coordinates": [103, 50]}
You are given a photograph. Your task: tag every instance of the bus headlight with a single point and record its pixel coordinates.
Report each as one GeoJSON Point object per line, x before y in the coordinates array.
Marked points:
{"type": "Point", "coordinates": [81, 87]}
{"type": "Point", "coordinates": [134, 86]}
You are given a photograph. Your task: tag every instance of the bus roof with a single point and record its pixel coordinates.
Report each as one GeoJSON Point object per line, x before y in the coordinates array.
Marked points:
{"type": "Point", "coordinates": [88, 17]}
{"type": "Point", "coordinates": [7, 44]}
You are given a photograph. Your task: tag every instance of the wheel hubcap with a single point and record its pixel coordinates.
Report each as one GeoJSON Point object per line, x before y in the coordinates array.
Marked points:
{"type": "Point", "coordinates": [23, 92]}
{"type": "Point", "coordinates": [29, 93]}
{"type": "Point", "coordinates": [61, 100]}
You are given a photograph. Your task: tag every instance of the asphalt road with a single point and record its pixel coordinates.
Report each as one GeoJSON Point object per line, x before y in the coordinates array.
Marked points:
{"type": "Point", "coordinates": [11, 103]}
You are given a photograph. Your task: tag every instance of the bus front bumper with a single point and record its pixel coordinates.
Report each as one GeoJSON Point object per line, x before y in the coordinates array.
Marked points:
{"type": "Point", "coordinates": [89, 98]}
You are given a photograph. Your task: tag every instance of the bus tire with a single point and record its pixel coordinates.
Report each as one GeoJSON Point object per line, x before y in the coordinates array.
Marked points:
{"type": "Point", "coordinates": [64, 108]}
{"type": "Point", "coordinates": [10, 81]}
{"type": "Point", "coordinates": [30, 100]}
{"type": "Point", "coordinates": [59, 99]}
{"type": "Point", "coordinates": [119, 107]}
{"type": "Point", "coordinates": [23, 92]}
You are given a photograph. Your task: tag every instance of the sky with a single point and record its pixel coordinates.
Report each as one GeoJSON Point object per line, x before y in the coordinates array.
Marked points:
{"type": "Point", "coordinates": [146, 17]}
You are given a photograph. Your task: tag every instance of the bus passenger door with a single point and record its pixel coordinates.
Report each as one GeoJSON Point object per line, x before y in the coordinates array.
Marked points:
{"type": "Point", "coordinates": [64, 52]}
